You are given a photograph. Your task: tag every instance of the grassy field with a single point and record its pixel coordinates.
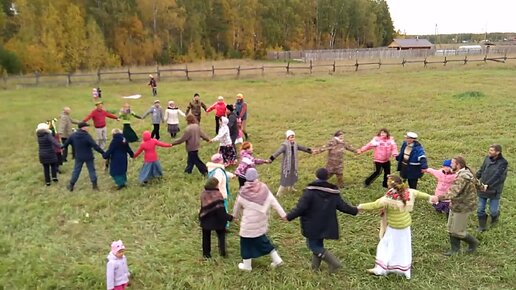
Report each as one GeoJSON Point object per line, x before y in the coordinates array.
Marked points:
{"type": "Point", "coordinates": [53, 239]}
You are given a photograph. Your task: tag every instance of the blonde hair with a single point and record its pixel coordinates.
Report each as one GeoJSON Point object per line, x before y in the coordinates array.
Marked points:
{"type": "Point", "coordinates": [116, 131]}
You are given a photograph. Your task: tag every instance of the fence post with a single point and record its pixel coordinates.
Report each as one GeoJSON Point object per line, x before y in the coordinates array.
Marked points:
{"type": "Point", "coordinates": [356, 64]}
{"type": "Point", "coordinates": [212, 71]}
{"type": "Point", "coordinates": [36, 74]}
{"type": "Point", "coordinates": [186, 72]}
{"type": "Point", "coordinates": [445, 61]}
{"type": "Point", "coordinates": [485, 58]}
{"type": "Point", "coordinates": [288, 67]}
{"type": "Point", "coordinates": [425, 62]}
{"type": "Point", "coordinates": [465, 59]}
{"type": "Point", "coordinates": [69, 79]}
{"type": "Point", "coordinates": [263, 70]}
{"type": "Point", "coordinates": [333, 66]}
{"type": "Point", "coordinates": [403, 62]}
{"type": "Point", "coordinates": [98, 75]}
{"type": "Point", "coordinates": [238, 72]}
{"type": "Point", "coordinates": [379, 63]}
{"type": "Point", "coordinates": [311, 66]}
{"type": "Point", "coordinates": [158, 73]}
{"type": "Point", "coordinates": [129, 74]}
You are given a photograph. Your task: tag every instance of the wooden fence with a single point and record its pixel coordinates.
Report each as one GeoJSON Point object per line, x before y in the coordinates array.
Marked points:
{"type": "Point", "coordinates": [189, 73]}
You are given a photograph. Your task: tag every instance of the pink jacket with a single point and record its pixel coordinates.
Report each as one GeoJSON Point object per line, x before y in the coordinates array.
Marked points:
{"type": "Point", "coordinates": [383, 148]}
{"type": "Point", "coordinates": [247, 161]}
{"type": "Point", "coordinates": [220, 108]}
{"type": "Point", "coordinates": [149, 147]}
{"type": "Point", "coordinates": [444, 181]}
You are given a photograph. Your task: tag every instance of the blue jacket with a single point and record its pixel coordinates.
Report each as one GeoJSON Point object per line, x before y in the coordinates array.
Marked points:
{"type": "Point", "coordinates": [416, 162]}
{"type": "Point", "coordinates": [82, 144]}
{"type": "Point", "coordinates": [117, 153]}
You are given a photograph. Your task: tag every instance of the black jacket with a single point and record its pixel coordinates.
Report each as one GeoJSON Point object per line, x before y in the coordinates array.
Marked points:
{"type": "Point", "coordinates": [82, 144]}
{"type": "Point", "coordinates": [216, 219]}
{"type": "Point", "coordinates": [117, 153]}
{"type": "Point", "coordinates": [47, 150]}
{"type": "Point", "coordinates": [233, 126]}
{"type": "Point", "coordinates": [493, 173]}
{"type": "Point", "coordinates": [317, 208]}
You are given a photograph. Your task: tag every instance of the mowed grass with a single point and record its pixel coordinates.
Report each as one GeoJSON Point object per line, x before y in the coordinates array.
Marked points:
{"type": "Point", "coordinates": [53, 239]}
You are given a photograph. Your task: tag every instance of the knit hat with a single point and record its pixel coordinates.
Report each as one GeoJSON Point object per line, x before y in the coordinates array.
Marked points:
{"type": "Point", "coordinates": [117, 246]}
{"type": "Point", "coordinates": [251, 174]}
{"type": "Point", "coordinates": [240, 96]}
{"type": "Point", "coordinates": [43, 126]}
{"type": "Point", "coordinates": [411, 135]}
{"type": "Point", "coordinates": [83, 124]}
{"type": "Point", "coordinates": [212, 183]}
{"type": "Point", "coordinates": [230, 107]}
{"type": "Point", "coordinates": [290, 133]}
{"type": "Point", "coordinates": [217, 158]}
{"type": "Point", "coordinates": [447, 163]}
{"type": "Point", "coordinates": [322, 174]}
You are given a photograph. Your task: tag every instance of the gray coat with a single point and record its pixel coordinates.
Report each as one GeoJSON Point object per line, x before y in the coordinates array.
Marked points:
{"type": "Point", "coordinates": [289, 163]}
{"type": "Point", "coordinates": [493, 173]}
{"type": "Point", "coordinates": [157, 114]}
{"type": "Point", "coordinates": [65, 125]}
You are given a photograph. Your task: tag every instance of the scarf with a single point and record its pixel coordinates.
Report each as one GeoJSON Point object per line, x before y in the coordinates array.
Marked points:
{"type": "Point", "coordinates": [291, 149]}
{"type": "Point", "coordinates": [211, 200]}
{"type": "Point", "coordinates": [389, 202]}
{"type": "Point", "coordinates": [255, 192]}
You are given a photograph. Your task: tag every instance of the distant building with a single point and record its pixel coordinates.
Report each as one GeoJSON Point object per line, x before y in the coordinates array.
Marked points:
{"type": "Point", "coordinates": [412, 43]}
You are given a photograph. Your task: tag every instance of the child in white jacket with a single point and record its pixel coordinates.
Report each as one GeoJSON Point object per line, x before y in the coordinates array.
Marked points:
{"type": "Point", "coordinates": [172, 118]}
{"type": "Point", "coordinates": [117, 272]}
{"type": "Point", "coordinates": [226, 147]}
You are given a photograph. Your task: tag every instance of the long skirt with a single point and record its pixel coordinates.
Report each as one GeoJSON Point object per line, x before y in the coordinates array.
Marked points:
{"type": "Point", "coordinates": [173, 128]}
{"type": "Point", "coordinates": [228, 154]}
{"type": "Point", "coordinates": [129, 133]}
{"type": "Point", "coordinates": [120, 179]}
{"type": "Point", "coordinates": [291, 178]}
{"type": "Point", "coordinates": [149, 170]}
{"type": "Point", "coordinates": [255, 247]}
{"type": "Point", "coordinates": [394, 252]}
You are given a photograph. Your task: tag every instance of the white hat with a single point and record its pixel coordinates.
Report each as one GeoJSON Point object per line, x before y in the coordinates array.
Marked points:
{"type": "Point", "coordinates": [411, 135]}
{"type": "Point", "coordinates": [43, 126]}
{"type": "Point", "coordinates": [290, 133]}
{"type": "Point", "coordinates": [220, 98]}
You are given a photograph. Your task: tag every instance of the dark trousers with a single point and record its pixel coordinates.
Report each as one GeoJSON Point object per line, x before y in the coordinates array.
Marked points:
{"type": "Point", "coordinates": [241, 181]}
{"type": "Point", "coordinates": [206, 242]}
{"type": "Point", "coordinates": [65, 150]}
{"type": "Point", "coordinates": [386, 167]}
{"type": "Point", "coordinates": [193, 159]}
{"type": "Point", "coordinates": [217, 124]}
{"type": "Point", "coordinates": [154, 91]}
{"type": "Point", "coordinates": [315, 245]}
{"type": "Point", "coordinates": [155, 131]}
{"type": "Point", "coordinates": [77, 167]}
{"type": "Point", "coordinates": [412, 182]}
{"type": "Point", "coordinates": [50, 168]}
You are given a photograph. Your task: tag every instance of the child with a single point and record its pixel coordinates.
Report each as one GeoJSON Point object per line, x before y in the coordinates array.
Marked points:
{"type": "Point", "coordinates": [117, 272]}
{"type": "Point", "coordinates": [445, 177]}
{"type": "Point", "coordinates": [126, 115]}
{"type": "Point", "coordinates": [216, 169]}
{"type": "Point", "coordinates": [255, 199]}
{"type": "Point", "coordinates": [95, 94]}
{"type": "Point", "coordinates": [335, 148]}
{"type": "Point", "coordinates": [117, 153]}
{"type": "Point", "coordinates": [384, 147]}
{"type": "Point", "coordinates": [157, 118]}
{"type": "Point", "coordinates": [172, 118]}
{"type": "Point", "coordinates": [226, 146]}
{"type": "Point", "coordinates": [394, 251]}
{"type": "Point", "coordinates": [47, 152]}
{"type": "Point", "coordinates": [289, 163]}
{"type": "Point", "coordinates": [247, 161]}
{"type": "Point", "coordinates": [318, 211]}
{"type": "Point", "coordinates": [151, 166]}
{"type": "Point", "coordinates": [213, 217]}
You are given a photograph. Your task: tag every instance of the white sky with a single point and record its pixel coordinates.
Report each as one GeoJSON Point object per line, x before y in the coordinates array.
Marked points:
{"type": "Point", "coordinates": [453, 16]}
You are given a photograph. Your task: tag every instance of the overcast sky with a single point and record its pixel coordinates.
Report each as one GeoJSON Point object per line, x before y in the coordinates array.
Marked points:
{"type": "Point", "coordinates": [453, 16]}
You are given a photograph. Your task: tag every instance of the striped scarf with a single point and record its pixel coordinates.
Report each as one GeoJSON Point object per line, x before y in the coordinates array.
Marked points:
{"type": "Point", "coordinates": [291, 149]}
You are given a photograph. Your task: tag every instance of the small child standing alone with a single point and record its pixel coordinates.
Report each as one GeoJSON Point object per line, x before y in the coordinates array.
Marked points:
{"type": "Point", "coordinates": [117, 271]}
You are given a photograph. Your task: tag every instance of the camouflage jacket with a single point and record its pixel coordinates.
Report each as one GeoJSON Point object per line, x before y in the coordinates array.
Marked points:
{"type": "Point", "coordinates": [463, 192]}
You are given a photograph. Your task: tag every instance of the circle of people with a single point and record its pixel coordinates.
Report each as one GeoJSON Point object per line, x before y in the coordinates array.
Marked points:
{"type": "Point", "coordinates": [458, 192]}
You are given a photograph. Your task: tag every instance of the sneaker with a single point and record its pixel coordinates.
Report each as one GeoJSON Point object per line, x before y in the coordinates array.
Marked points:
{"type": "Point", "coordinates": [242, 267]}
{"type": "Point", "coordinates": [275, 265]}
{"type": "Point", "coordinates": [48, 183]}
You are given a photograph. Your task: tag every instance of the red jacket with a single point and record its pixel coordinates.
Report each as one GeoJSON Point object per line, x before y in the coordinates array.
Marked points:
{"type": "Point", "coordinates": [149, 147]}
{"type": "Point", "coordinates": [99, 117]}
{"type": "Point", "coordinates": [220, 108]}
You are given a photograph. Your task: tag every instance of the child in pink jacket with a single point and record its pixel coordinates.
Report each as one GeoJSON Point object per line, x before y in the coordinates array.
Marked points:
{"type": "Point", "coordinates": [151, 166]}
{"type": "Point", "coordinates": [445, 178]}
{"type": "Point", "coordinates": [247, 160]}
{"type": "Point", "coordinates": [384, 147]}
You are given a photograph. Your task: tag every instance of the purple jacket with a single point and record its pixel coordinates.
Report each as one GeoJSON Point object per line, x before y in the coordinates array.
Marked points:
{"type": "Point", "coordinates": [247, 161]}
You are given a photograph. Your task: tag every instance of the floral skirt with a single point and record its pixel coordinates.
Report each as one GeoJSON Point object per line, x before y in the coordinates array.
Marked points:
{"type": "Point", "coordinates": [229, 154]}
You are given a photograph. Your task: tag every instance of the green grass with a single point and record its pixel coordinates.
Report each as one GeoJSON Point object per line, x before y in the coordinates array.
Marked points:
{"type": "Point", "coordinates": [53, 239]}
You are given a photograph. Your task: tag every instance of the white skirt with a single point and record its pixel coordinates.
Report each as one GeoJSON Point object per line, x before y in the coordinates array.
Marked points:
{"type": "Point", "coordinates": [394, 252]}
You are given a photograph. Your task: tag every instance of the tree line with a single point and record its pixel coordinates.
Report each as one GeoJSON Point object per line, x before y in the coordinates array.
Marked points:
{"type": "Point", "coordinates": [72, 35]}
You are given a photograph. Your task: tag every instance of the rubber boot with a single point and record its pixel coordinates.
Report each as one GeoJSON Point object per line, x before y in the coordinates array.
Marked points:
{"type": "Point", "coordinates": [246, 265]}
{"type": "Point", "coordinates": [276, 259]}
{"type": "Point", "coordinates": [482, 223]}
{"type": "Point", "coordinates": [281, 191]}
{"type": "Point", "coordinates": [332, 261]}
{"type": "Point", "coordinates": [455, 246]}
{"type": "Point", "coordinates": [316, 262]}
{"type": "Point", "coordinates": [494, 219]}
{"type": "Point", "coordinates": [472, 243]}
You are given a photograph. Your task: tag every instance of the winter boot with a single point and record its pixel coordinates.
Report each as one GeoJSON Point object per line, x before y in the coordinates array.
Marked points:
{"type": "Point", "coordinates": [455, 246]}
{"type": "Point", "coordinates": [246, 265]}
{"type": "Point", "coordinates": [69, 186]}
{"type": "Point", "coordinates": [281, 191]}
{"type": "Point", "coordinates": [494, 219]}
{"type": "Point", "coordinates": [332, 261]}
{"type": "Point", "coordinates": [472, 243]}
{"type": "Point", "coordinates": [316, 262]}
{"type": "Point", "coordinates": [276, 259]}
{"type": "Point", "coordinates": [482, 223]}
{"type": "Point", "coordinates": [94, 186]}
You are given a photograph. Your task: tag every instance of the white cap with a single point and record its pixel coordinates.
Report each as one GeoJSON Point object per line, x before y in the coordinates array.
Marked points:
{"type": "Point", "coordinates": [290, 133]}
{"type": "Point", "coordinates": [220, 98]}
{"type": "Point", "coordinates": [411, 135]}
